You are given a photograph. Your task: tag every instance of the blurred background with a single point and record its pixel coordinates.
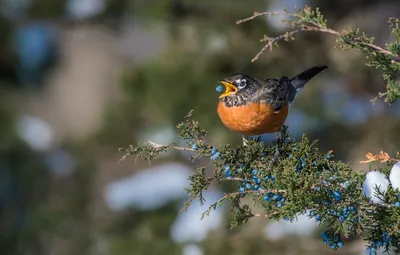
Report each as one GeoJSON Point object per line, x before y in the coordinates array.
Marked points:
{"type": "Point", "coordinates": [81, 78]}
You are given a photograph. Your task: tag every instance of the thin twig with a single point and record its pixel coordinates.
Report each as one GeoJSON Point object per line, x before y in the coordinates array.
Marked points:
{"type": "Point", "coordinates": [259, 191]}
{"type": "Point", "coordinates": [256, 14]}
{"type": "Point", "coordinates": [271, 42]}
{"type": "Point", "coordinates": [211, 179]}
{"type": "Point", "coordinates": [162, 147]}
{"type": "Point", "coordinates": [266, 215]}
{"type": "Point", "coordinates": [234, 179]}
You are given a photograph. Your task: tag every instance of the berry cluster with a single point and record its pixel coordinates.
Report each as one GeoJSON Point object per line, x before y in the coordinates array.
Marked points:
{"type": "Point", "coordinates": [334, 242]}
{"type": "Point", "coordinates": [228, 172]}
{"type": "Point", "coordinates": [279, 199]}
{"type": "Point", "coordinates": [346, 211]}
{"type": "Point", "coordinates": [375, 245]}
{"type": "Point", "coordinates": [215, 154]}
{"type": "Point", "coordinates": [254, 184]}
{"type": "Point", "coordinates": [337, 195]}
{"type": "Point", "coordinates": [313, 215]}
{"type": "Point", "coordinates": [342, 216]}
{"type": "Point", "coordinates": [301, 164]}
{"type": "Point", "coordinates": [259, 183]}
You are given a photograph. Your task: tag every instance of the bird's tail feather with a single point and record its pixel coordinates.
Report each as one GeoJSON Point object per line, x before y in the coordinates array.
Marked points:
{"type": "Point", "coordinates": [300, 80]}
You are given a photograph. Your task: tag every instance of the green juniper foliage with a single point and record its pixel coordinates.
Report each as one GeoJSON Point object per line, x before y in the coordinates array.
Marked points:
{"type": "Point", "coordinates": [300, 179]}
{"type": "Point", "coordinates": [307, 19]}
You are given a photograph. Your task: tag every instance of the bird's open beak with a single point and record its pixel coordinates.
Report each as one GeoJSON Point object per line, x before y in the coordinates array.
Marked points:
{"type": "Point", "coordinates": [229, 89]}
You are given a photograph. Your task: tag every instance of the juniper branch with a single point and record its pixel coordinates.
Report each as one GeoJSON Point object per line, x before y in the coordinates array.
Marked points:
{"type": "Point", "coordinates": [310, 20]}
{"type": "Point", "coordinates": [301, 179]}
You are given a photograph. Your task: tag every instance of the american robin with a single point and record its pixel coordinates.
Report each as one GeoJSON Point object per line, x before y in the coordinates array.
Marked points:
{"type": "Point", "coordinates": [252, 106]}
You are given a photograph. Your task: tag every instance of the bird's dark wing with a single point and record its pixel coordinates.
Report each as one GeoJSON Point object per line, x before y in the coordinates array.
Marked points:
{"type": "Point", "coordinates": [275, 92]}
{"type": "Point", "coordinates": [278, 92]}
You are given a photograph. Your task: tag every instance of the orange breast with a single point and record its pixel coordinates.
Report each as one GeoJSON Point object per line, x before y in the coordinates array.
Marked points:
{"type": "Point", "coordinates": [252, 118]}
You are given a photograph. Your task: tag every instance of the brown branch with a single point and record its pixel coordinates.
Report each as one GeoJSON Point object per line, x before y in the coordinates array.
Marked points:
{"type": "Point", "coordinates": [375, 48]}
{"type": "Point", "coordinates": [317, 28]}
{"type": "Point", "coordinates": [379, 49]}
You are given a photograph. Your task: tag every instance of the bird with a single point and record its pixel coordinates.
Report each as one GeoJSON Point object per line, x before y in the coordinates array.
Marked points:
{"type": "Point", "coordinates": [251, 106]}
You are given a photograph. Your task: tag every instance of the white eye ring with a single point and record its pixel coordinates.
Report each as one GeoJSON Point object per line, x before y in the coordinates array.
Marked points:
{"type": "Point", "coordinates": [242, 83]}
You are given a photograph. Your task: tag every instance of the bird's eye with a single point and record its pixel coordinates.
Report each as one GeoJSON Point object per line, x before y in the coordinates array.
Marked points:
{"type": "Point", "coordinates": [242, 84]}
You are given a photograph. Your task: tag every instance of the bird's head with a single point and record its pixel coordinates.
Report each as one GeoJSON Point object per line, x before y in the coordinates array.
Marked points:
{"type": "Point", "coordinates": [238, 84]}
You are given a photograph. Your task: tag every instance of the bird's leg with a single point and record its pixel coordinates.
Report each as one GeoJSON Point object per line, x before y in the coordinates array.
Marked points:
{"type": "Point", "coordinates": [245, 140]}
{"type": "Point", "coordinates": [279, 140]}
{"type": "Point", "coordinates": [279, 136]}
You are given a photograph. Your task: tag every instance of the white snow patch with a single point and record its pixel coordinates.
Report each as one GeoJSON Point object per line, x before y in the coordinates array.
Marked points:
{"type": "Point", "coordinates": [373, 180]}
{"type": "Point", "coordinates": [394, 176]}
